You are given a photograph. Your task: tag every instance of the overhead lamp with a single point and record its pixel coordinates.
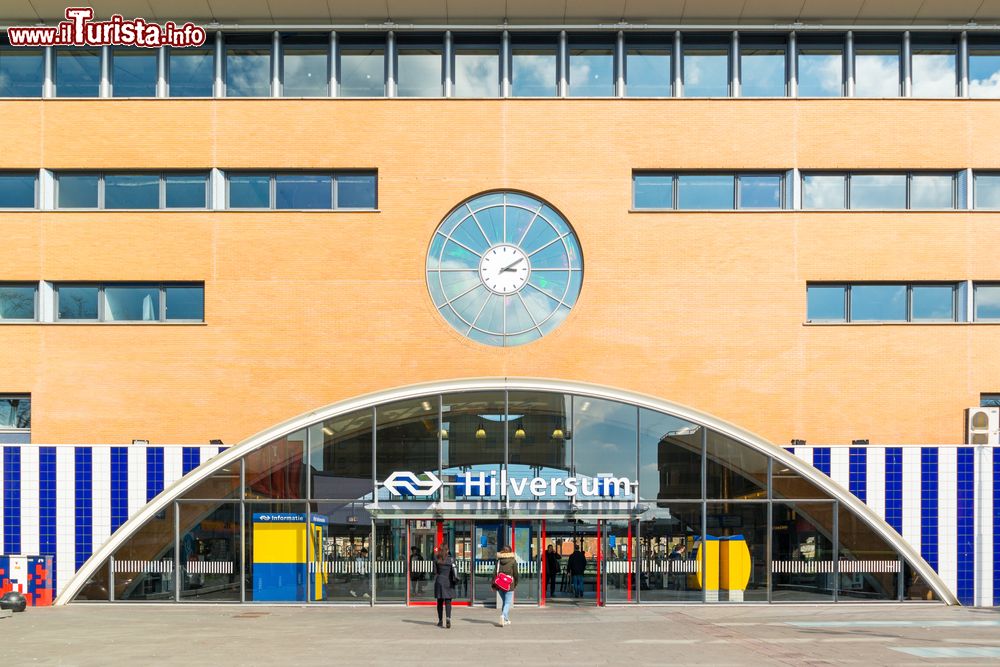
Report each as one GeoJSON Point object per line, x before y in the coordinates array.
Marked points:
{"type": "Point", "coordinates": [327, 430]}
{"type": "Point", "coordinates": [480, 433]}
{"type": "Point", "coordinates": [426, 406]}
{"type": "Point", "coordinates": [140, 442]}
{"type": "Point", "coordinates": [215, 442]}
{"type": "Point", "coordinates": [557, 434]}
{"type": "Point", "coordinates": [519, 432]}
{"type": "Point", "coordinates": [444, 434]}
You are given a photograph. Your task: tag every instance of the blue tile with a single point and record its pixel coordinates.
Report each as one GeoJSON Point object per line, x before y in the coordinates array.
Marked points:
{"type": "Point", "coordinates": [12, 500]}
{"type": "Point", "coordinates": [154, 472]}
{"type": "Point", "coordinates": [858, 472]}
{"type": "Point", "coordinates": [84, 504]}
{"type": "Point", "coordinates": [929, 505]}
{"type": "Point", "coordinates": [894, 488]}
{"type": "Point", "coordinates": [821, 460]}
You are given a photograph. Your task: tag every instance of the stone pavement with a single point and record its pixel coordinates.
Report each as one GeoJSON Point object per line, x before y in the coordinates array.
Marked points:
{"type": "Point", "coordinates": [911, 634]}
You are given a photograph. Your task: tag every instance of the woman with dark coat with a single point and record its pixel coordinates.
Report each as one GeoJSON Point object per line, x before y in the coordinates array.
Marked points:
{"type": "Point", "coordinates": [445, 579]}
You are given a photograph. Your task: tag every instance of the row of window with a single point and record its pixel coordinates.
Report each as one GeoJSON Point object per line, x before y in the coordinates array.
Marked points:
{"type": "Point", "coordinates": [902, 302]}
{"type": "Point", "coordinates": [245, 190]}
{"type": "Point", "coordinates": [104, 302]}
{"type": "Point", "coordinates": [461, 64]}
{"type": "Point", "coordinates": [819, 190]}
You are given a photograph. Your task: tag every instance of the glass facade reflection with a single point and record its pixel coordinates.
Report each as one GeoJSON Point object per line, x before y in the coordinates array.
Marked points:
{"type": "Point", "coordinates": [319, 515]}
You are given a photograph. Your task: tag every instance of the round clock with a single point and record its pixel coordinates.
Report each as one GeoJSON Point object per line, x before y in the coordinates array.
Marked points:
{"type": "Point", "coordinates": [504, 268]}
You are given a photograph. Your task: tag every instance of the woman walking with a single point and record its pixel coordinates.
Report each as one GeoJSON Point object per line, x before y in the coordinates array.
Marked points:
{"type": "Point", "coordinates": [445, 579]}
{"type": "Point", "coordinates": [506, 565]}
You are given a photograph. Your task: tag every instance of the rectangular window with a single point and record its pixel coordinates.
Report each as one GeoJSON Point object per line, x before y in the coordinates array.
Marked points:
{"type": "Point", "coordinates": [191, 72]}
{"type": "Point", "coordinates": [820, 68]}
{"type": "Point", "coordinates": [248, 66]}
{"type": "Point", "coordinates": [419, 69]}
{"type": "Point", "coordinates": [18, 302]}
{"type": "Point", "coordinates": [186, 190]}
{"type": "Point", "coordinates": [876, 70]}
{"type": "Point", "coordinates": [824, 191]}
{"type": "Point", "coordinates": [648, 70]}
{"type": "Point", "coordinates": [826, 303]}
{"type": "Point", "coordinates": [133, 72]}
{"type": "Point", "coordinates": [762, 68]}
{"type": "Point", "coordinates": [22, 72]}
{"type": "Point", "coordinates": [890, 302]}
{"type": "Point", "coordinates": [77, 190]}
{"type": "Point", "coordinates": [78, 72]}
{"type": "Point", "coordinates": [17, 190]}
{"type": "Point", "coordinates": [15, 412]}
{"type": "Point", "coordinates": [706, 67]}
{"type": "Point", "coordinates": [533, 69]}
{"type": "Point", "coordinates": [760, 191]}
{"type": "Point", "coordinates": [305, 65]}
{"type": "Point", "coordinates": [362, 69]}
{"type": "Point", "coordinates": [476, 69]}
{"type": "Point", "coordinates": [934, 68]}
{"type": "Point", "coordinates": [292, 190]}
{"type": "Point", "coordinates": [303, 191]}
{"type": "Point", "coordinates": [987, 302]}
{"type": "Point", "coordinates": [652, 191]}
{"type": "Point", "coordinates": [130, 302]}
{"type": "Point", "coordinates": [989, 400]}
{"type": "Point", "coordinates": [131, 191]}
{"type": "Point", "coordinates": [986, 190]}
{"type": "Point", "coordinates": [932, 191]}
{"type": "Point", "coordinates": [984, 69]}
{"type": "Point", "coordinates": [878, 191]}
{"type": "Point", "coordinates": [705, 191]}
{"type": "Point", "coordinates": [591, 69]}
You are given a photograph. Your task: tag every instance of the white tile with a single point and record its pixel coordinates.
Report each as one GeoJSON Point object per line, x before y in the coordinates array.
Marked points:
{"type": "Point", "coordinates": [984, 527]}
{"type": "Point", "coordinates": [876, 480]}
{"type": "Point", "coordinates": [173, 464]}
{"type": "Point", "coordinates": [65, 515]}
{"type": "Point", "coordinates": [911, 496]}
{"type": "Point", "coordinates": [208, 452]}
{"type": "Point", "coordinates": [805, 453]}
{"type": "Point", "coordinates": [948, 516]}
{"type": "Point", "coordinates": [102, 496]}
{"type": "Point", "coordinates": [136, 479]}
{"type": "Point", "coordinates": [840, 466]}
{"type": "Point", "coordinates": [29, 501]}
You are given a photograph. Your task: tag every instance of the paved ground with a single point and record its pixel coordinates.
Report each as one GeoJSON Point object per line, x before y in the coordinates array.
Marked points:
{"type": "Point", "coordinates": [288, 636]}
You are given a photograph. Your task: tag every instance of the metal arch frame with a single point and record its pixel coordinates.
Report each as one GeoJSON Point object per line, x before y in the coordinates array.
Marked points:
{"type": "Point", "coordinates": [371, 400]}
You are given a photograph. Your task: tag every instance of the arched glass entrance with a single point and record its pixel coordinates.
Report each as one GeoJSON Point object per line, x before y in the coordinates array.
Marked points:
{"type": "Point", "coordinates": [606, 498]}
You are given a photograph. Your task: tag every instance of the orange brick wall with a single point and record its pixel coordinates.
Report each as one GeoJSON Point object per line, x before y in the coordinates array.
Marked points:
{"type": "Point", "coordinates": [305, 309]}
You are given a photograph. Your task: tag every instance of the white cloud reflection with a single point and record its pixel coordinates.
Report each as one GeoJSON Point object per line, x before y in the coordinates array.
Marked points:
{"type": "Point", "coordinates": [934, 75]}
{"type": "Point", "coordinates": [876, 75]}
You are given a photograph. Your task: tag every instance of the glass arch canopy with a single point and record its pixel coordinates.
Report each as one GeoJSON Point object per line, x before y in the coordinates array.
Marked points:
{"type": "Point", "coordinates": [313, 506]}
{"type": "Point", "coordinates": [504, 269]}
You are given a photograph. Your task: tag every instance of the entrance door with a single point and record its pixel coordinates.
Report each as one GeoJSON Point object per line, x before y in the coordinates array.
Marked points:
{"type": "Point", "coordinates": [620, 551]}
{"type": "Point", "coordinates": [578, 544]}
{"type": "Point", "coordinates": [425, 537]}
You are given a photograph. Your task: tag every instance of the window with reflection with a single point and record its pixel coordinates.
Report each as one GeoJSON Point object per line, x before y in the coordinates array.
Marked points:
{"type": "Point", "coordinates": [987, 302]}
{"type": "Point", "coordinates": [343, 566]}
{"type": "Point", "coordinates": [669, 534]}
{"type": "Point", "coordinates": [878, 303]}
{"type": "Point", "coordinates": [984, 69]}
{"type": "Point", "coordinates": [473, 427]}
{"type": "Point", "coordinates": [77, 190]}
{"type": "Point", "coordinates": [191, 72]}
{"type": "Point", "coordinates": [986, 190]}
{"type": "Point", "coordinates": [78, 72]}
{"type": "Point", "coordinates": [870, 569]}
{"type": "Point", "coordinates": [787, 483]}
{"type": "Point", "coordinates": [541, 439]}
{"type": "Point", "coordinates": [652, 191]}
{"type": "Point", "coordinates": [184, 302]}
{"type": "Point", "coordinates": [762, 67]}
{"type": "Point", "coordinates": [705, 191]}
{"type": "Point", "coordinates": [407, 437]}
{"type": "Point", "coordinates": [533, 67]}
{"type": "Point", "coordinates": [186, 190]}
{"type": "Point", "coordinates": [648, 68]}
{"type": "Point", "coordinates": [591, 68]}
{"type": "Point", "coordinates": [933, 303]}
{"type": "Point", "coordinates": [361, 68]}
{"type": "Point", "coordinates": [605, 435]}
{"type": "Point", "coordinates": [22, 71]}
{"type": "Point", "coordinates": [249, 190]}
{"type": "Point", "coordinates": [824, 191]}
{"type": "Point", "coordinates": [135, 303]}
{"type": "Point", "coordinates": [357, 190]}
{"type": "Point", "coordinates": [303, 191]}
{"type": "Point", "coordinates": [476, 66]}
{"type": "Point", "coordinates": [144, 564]}
{"type": "Point", "coordinates": [133, 72]}
{"type": "Point", "coordinates": [340, 456]}
{"type": "Point", "coordinates": [132, 191]}
{"type": "Point", "coordinates": [706, 67]}
{"type": "Point", "coordinates": [734, 470]}
{"type": "Point", "coordinates": [276, 470]}
{"type": "Point", "coordinates": [17, 301]}
{"type": "Point", "coordinates": [760, 190]}
{"type": "Point", "coordinates": [209, 550]}
{"type": "Point", "coordinates": [737, 531]}
{"type": "Point", "coordinates": [820, 67]}
{"type": "Point", "coordinates": [76, 302]}
{"type": "Point", "coordinates": [305, 66]}
{"type": "Point", "coordinates": [248, 66]}
{"type": "Point", "coordinates": [878, 191]}
{"type": "Point", "coordinates": [669, 457]}
{"type": "Point", "coordinates": [876, 69]}
{"type": "Point", "coordinates": [17, 190]}
{"type": "Point", "coordinates": [826, 303]}
{"type": "Point", "coordinates": [802, 552]}
{"type": "Point", "coordinates": [419, 63]}
{"type": "Point", "coordinates": [934, 68]}
{"type": "Point", "coordinates": [932, 191]}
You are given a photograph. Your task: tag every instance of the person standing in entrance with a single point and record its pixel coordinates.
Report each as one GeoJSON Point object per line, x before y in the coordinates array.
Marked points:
{"type": "Point", "coordinates": [445, 578]}
{"type": "Point", "coordinates": [506, 564]}
{"type": "Point", "coordinates": [577, 565]}
{"type": "Point", "coordinates": [551, 569]}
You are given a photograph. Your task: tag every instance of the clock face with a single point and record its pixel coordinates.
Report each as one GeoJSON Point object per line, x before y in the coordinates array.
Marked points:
{"type": "Point", "coordinates": [504, 269]}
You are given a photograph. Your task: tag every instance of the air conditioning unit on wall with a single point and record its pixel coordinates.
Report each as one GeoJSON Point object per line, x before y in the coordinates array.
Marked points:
{"type": "Point", "coordinates": [983, 426]}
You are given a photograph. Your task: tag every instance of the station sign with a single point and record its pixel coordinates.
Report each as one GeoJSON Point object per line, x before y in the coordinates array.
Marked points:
{"type": "Point", "coordinates": [603, 485]}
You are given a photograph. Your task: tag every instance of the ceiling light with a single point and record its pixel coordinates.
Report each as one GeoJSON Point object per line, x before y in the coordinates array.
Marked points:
{"type": "Point", "coordinates": [480, 433]}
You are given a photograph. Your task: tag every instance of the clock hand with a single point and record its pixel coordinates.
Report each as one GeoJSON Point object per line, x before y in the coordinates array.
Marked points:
{"type": "Point", "coordinates": [511, 265]}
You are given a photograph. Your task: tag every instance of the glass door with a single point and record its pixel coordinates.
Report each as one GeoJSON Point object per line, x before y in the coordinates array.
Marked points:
{"type": "Point", "coordinates": [525, 538]}
{"type": "Point", "coordinates": [578, 557]}
{"type": "Point", "coordinates": [619, 553]}
{"type": "Point", "coordinates": [489, 537]}
{"type": "Point", "coordinates": [426, 536]}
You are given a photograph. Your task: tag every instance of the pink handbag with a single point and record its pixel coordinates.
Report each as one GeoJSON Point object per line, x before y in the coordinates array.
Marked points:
{"type": "Point", "coordinates": [502, 581]}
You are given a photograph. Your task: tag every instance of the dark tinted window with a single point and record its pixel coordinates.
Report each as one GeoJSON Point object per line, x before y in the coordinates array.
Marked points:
{"type": "Point", "coordinates": [17, 190]}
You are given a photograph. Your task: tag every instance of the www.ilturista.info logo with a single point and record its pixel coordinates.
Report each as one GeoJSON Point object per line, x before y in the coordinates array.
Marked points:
{"type": "Point", "coordinates": [79, 30]}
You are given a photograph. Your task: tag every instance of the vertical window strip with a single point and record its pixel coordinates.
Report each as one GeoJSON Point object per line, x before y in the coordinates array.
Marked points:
{"type": "Point", "coordinates": [191, 459]}
{"type": "Point", "coordinates": [47, 505]}
{"type": "Point", "coordinates": [84, 503]}
{"type": "Point", "coordinates": [966, 526]}
{"type": "Point", "coordinates": [154, 472]}
{"type": "Point", "coordinates": [12, 500]}
{"type": "Point", "coordinates": [858, 473]}
{"type": "Point", "coordinates": [929, 505]}
{"type": "Point", "coordinates": [894, 488]}
{"type": "Point", "coordinates": [119, 487]}
{"type": "Point", "coordinates": [821, 459]}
